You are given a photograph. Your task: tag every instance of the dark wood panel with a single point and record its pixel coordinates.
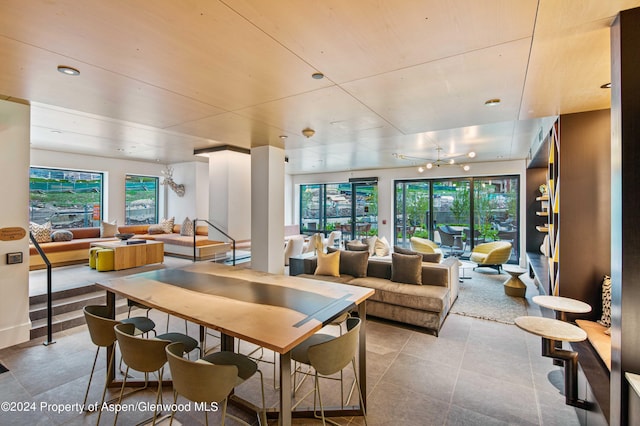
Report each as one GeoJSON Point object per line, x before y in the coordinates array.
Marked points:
{"type": "Point", "coordinates": [585, 206]}
{"type": "Point", "coordinates": [625, 226]}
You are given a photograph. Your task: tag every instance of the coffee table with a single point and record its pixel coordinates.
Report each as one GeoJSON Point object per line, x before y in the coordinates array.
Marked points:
{"type": "Point", "coordinates": [552, 331]}
{"type": "Point", "coordinates": [464, 266]}
{"type": "Point", "coordinates": [127, 256]}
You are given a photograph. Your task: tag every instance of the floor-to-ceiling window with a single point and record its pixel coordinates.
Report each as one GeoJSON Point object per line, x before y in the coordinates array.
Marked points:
{"type": "Point", "coordinates": [141, 200]}
{"type": "Point", "coordinates": [350, 207]}
{"type": "Point", "coordinates": [66, 198]}
{"type": "Point", "coordinates": [413, 211]}
{"type": "Point", "coordinates": [459, 213]}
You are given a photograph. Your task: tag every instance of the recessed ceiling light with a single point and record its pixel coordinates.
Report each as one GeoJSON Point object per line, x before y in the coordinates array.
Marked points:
{"type": "Point", "coordinates": [68, 70]}
{"type": "Point", "coordinates": [283, 137]}
{"type": "Point", "coordinates": [606, 86]}
{"type": "Point", "coordinates": [492, 102]}
{"type": "Point", "coordinates": [317, 75]}
{"type": "Point", "coordinates": [471, 154]}
{"type": "Point", "coordinates": [56, 131]}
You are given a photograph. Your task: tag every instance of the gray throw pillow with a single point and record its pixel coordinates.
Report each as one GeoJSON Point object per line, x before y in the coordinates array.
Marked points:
{"type": "Point", "coordinates": [406, 268]}
{"type": "Point", "coordinates": [352, 263]}
{"type": "Point", "coordinates": [357, 246]}
{"type": "Point", "coordinates": [61, 236]}
{"type": "Point", "coordinates": [426, 257]}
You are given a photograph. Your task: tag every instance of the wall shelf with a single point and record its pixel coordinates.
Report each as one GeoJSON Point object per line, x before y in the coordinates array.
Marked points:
{"type": "Point", "coordinates": [542, 228]}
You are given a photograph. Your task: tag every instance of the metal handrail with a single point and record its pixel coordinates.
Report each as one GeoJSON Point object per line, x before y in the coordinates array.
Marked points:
{"type": "Point", "coordinates": [195, 227]}
{"type": "Point", "coordinates": [49, 340]}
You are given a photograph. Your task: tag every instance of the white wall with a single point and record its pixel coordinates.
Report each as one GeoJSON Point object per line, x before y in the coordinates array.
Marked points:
{"type": "Point", "coordinates": [230, 194]}
{"type": "Point", "coordinates": [14, 173]}
{"type": "Point", "coordinates": [194, 175]}
{"type": "Point", "coordinates": [115, 172]}
{"type": "Point", "coordinates": [386, 178]}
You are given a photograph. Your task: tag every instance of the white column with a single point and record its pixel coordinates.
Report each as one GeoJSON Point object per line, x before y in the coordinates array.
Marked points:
{"type": "Point", "coordinates": [14, 173]}
{"type": "Point", "coordinates": [267, 209]}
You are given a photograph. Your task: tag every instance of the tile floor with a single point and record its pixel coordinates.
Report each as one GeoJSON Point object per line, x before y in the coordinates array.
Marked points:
{"type": "Point", "coordinates": [476, 372]}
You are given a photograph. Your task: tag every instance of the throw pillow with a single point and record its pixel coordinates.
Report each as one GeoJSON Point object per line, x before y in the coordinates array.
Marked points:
{"type": "Point", "coordinates": [371, 243]}
{"type": "Point", "coordinates": [605, 319]}
{"type": "Point", "coordinates": [357, 246]}
{"type": "Point", "coordinates": [426, 257]}
{"type": "Point", "coordinates": [382, 247]}
{"type": "Point", "coordinates": [187, 227]}
{"type": "Point", "coordinates": [167, 225]}
{"type": "Point", "coordinates": [108, 230]}
{"type": "Point", "coordinates": [41, 233]}
{"type": "Point", "coordinates": [155, 229]}
{"type": "Point", "coordinates": [62, 236]}
{"type": "Point", "coordinates": [406, 268]}
{"type": "Point", "coordinates": [352, 263]}
{"type": "Point", "coordinates": [328, 264]}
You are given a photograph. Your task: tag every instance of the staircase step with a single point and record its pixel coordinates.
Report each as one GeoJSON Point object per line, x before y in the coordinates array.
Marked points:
{"type": "Point", "coordinates": [67, 312]}
{"type": "Point", "coordinates": [68, 304]}
{"type": "Point", "coordinates": [63, 294]}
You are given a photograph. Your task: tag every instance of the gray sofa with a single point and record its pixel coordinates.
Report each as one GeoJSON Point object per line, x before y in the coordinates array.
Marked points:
{"type": "Point", "coordinates": [425, 305]}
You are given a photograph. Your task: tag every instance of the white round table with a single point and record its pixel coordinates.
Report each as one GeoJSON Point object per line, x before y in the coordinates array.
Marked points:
{"type": "Point", "coordinates": [552, 331]}
{"type": "Point", "coordinates": [562, 305]}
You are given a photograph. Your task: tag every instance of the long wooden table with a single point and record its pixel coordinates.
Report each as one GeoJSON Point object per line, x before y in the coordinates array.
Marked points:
{"type": "Point", "coordinates": [277, 312]}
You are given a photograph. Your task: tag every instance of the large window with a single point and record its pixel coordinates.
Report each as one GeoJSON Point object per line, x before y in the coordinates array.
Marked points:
{"type": "Point", "coordinates": [141, 202]}
{"type": "Point", "coordinates": [458, 213]}
{"type": "Point", "coordinates": [66, 198]}
{"type": "Point", "coordinates": [350, 207]}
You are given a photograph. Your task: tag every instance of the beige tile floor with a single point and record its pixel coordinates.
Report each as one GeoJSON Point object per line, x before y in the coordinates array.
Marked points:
{"type": "Point", "coordinates": [476, 372]}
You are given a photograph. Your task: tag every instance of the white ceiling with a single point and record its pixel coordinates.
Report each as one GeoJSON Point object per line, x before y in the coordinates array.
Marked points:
{"type": "Point", "coordinates": [160, 78]}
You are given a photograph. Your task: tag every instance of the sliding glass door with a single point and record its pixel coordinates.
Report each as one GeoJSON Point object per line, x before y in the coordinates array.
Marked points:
{"type": "Point", "coordinates": [458, 214]}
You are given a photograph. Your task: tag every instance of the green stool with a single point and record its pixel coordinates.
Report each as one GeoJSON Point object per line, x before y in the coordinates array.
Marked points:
{"type": "Point", "coordinates": [92, 256]}
{"type": "Point", "coordinates": [104, 260]}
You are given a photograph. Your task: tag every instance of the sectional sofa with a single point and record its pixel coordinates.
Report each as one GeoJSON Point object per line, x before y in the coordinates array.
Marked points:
{"type": "Point", "coordinates": [425, 305]}
{"type": "Point", "coordinates": [61, 253]}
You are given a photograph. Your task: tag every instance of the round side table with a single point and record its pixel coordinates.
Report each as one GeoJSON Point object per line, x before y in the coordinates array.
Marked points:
{"type": "Point", "coordinates": [514, 285]}
{"type": "Point", "coordinates": [562, 305]}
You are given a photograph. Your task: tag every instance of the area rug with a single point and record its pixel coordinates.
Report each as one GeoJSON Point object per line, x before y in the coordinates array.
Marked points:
{"type": "Point", "coordinates": [483, 297]}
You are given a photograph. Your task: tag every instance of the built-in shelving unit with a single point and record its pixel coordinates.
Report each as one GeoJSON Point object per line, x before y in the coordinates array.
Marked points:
{"type": "Point", "coordinates": [553, 219]}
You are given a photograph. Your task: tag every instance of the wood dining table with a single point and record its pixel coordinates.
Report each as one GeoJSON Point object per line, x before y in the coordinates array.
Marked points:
{"type": "Point", "coordinates": [277, 312]}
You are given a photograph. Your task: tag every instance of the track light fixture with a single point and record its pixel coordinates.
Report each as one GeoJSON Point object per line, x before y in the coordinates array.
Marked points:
{"type": "Point", "coordinates": [438, 161]}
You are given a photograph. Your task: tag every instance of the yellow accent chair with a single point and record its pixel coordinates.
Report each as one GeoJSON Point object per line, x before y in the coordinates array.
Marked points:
{"type": "Point", "coordinates": [491, 255]}
{"type": "Point", "coordinates": [424, 245]}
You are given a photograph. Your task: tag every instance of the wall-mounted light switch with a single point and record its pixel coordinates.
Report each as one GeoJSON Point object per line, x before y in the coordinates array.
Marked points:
{"type": "Point", "coordinates": [13, 258]}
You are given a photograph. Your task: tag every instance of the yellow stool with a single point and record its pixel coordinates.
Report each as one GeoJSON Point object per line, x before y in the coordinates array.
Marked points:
{"type": "Point", "coordinates": [92, 256]}
{"type": "Point", "coordinates": [104, 260]}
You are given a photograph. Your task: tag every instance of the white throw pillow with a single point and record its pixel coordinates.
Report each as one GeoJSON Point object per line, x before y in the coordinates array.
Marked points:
{"type": "Point", "coordinates": [371, 244]}
{"type": "Point", "coordinates": [382, 247]}
{"type": "Point", "coordinates": [108, 230]}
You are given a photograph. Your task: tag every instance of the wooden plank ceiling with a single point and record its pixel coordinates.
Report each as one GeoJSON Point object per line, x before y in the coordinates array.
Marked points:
{"type": "Point", "coordinates": [161, 78]}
